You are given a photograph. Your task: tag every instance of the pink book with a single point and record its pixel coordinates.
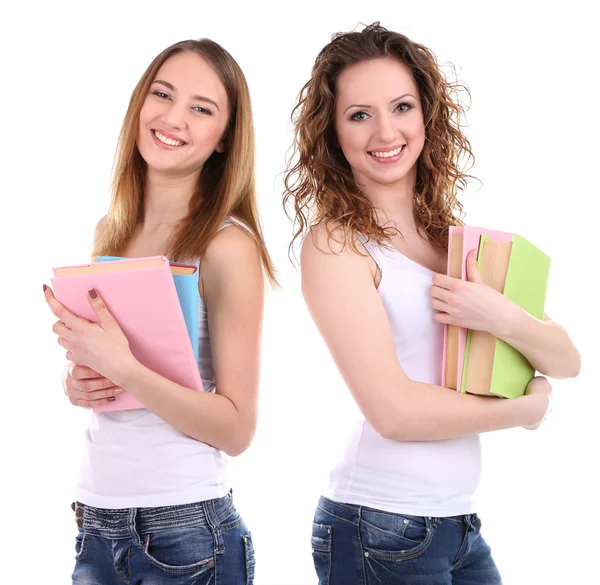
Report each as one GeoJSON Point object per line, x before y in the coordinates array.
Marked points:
{"type": "Point", "coordinates": [461, 241]}
{"type": "Point", "coordinates": [140, 294]}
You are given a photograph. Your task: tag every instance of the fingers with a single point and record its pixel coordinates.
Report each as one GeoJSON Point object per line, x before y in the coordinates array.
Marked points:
{"type": "Point", "coordinates": [444, 318]}
{"type": "Point", "coordinates": [105, 319]}
{"type": "Point", "coordinates": [439, 305]}
{"type": "Point", "coordinates": [472, 270]}
{"type": "Point", "coordinates": [89, 384]}
{"type": "Point", "coordinates": [79, 372]}
{"type": "Point", "coordinates": [437, 292]}
{"type": "Point", "coordinates": [444, 281]}
{"type": "Point", "coordinates": [94, 398]}
{"type": "Point", "coordinates": [95, 395]}
{"type": "Point", "coordinates": [60, 329]}
{"type": "Point", "coordinates": [64, 343]}
{"type": "Point", "coordinates": [71, 320]}
{"type": "Point", "coordinates": [83, 403]}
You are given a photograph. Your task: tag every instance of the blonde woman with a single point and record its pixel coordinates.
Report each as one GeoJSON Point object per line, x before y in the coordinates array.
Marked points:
{"type": "Point", "coordinates": [153, 500]}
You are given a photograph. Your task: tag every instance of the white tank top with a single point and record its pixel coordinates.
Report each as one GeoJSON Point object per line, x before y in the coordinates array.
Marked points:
{"type": "Point", "coordinates": [433, 478]}
{"type": "Point", "coordinates": [134, 459]}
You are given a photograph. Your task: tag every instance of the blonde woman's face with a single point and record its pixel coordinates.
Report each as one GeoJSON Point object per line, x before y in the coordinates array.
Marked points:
{"type": "Point", "coordinates": [183, 117]}
{"type": "Point", "coordinates": [379, 121]}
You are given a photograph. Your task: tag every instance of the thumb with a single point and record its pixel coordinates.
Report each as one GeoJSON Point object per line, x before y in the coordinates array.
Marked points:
{"type": "Point", "coordinates": [472, 270]}
{"type": "Point", "coordinates": [105, 319]}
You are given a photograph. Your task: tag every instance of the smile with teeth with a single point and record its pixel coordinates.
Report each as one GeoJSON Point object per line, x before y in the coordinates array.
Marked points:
{"type": "Point", "coordinates": [165, 140]}
{"type": "Point", "coordinates": [387, 153]}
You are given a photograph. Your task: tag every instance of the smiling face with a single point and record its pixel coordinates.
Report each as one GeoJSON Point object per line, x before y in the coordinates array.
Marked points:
{"type": "Point", "coordinates": [379, 121]}
{"type": "Point", "coordinates": [183, 118]}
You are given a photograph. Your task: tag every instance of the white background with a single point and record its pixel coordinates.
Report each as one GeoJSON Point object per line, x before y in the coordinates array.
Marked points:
{"type": "Point", "coordinates": [67, 73]}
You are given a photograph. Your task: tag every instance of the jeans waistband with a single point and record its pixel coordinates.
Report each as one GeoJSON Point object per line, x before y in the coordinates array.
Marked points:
{"type": "Point", "coordinates": [352, 513]}
{"type": "Point", "coordinates": [128, 522]}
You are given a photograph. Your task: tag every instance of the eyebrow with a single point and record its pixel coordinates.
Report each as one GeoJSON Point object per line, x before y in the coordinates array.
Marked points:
{"type": "Point", "coordinates": [367, 106]}
{"type": "Point", "coordinates": [199, 98]}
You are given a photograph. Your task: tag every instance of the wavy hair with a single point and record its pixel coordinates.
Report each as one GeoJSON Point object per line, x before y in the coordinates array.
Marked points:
{"type": "Point", "coordinates": [319, 183]}
{"type": "Point", "coordinates": [226, 185]}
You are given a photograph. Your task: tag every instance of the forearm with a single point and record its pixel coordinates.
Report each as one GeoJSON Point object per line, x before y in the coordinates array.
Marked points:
{"type": "Point", "coordinates": [545, 344]}
{"type": "Point", "coordinates": [426, 412]}
{"type": "Point", "coordinates": [204, 416]}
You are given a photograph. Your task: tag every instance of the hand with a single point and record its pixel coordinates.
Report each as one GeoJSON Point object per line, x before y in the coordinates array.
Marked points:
{"type": "Point", "coordinates": [87, 388]}
{"type": "Point", "coordinates": [472, 304]}
{"type": "Point", "coordinates": [542, 390]}
{"type": "Point", "coordinates": [100, 346]}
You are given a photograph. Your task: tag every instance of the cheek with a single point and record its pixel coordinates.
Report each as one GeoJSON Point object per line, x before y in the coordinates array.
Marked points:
{"type": "Point", "coordinates": [353, 139]}
{"type": "Point", "coordinates": [207, 134]}
{"type": "Point", "coordinates": [146, 114]}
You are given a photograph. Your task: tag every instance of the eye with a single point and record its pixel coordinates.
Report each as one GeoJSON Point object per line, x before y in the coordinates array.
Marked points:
{"type": "Point", "coordinates": [161, 94]}
{"type": "Point", "coordinates": [359, 116]}
{"type": "Point", "coordinates": [403, 107]}
{"type": "Point", "coordinates": [202, 110]}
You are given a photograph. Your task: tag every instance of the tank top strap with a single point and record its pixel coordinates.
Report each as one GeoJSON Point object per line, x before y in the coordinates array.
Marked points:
{"type": "Point", "coordinates": [377, 251]}
{"type": "Point", "coordinates": [234, 221]}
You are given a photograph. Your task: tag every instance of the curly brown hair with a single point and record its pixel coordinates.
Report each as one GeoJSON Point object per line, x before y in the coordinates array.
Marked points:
{"type": "Point", "coordinates": [318, 179]}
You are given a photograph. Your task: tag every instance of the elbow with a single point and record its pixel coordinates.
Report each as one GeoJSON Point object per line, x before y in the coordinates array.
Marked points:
{"type": "Point", "coordinates": [570, 369]}
{"type": "Point", "coordinates": [239, 444]}
{"type": "Point", "coordinates": [389, 428]}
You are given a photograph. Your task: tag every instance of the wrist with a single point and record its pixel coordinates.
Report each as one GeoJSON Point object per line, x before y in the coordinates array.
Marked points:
{"type": "Point", "coordinates": [535, 407]}
{"type": "Point", "coordinates": [512, 323]}
{"type": "Point", "coordinates": [125, 371]}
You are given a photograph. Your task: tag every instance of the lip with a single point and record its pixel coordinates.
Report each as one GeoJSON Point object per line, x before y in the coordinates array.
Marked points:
{"type": "Point", "coordinates": [384, 149]}
{"type": "Point", "coordinates": [168, 135]}
{"type": "Point", "coordinates": [388, 160]}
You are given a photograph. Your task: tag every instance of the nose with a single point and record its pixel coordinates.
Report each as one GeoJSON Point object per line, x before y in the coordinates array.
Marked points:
{"type": "Point", "coordinates": [175, 116]}
{"type": "Point", "coordinates": [386, 130]}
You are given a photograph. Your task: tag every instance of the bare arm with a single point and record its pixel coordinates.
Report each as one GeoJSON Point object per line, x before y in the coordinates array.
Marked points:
{"type": "Point", "coordinates": [473, 305]}
{"type": "Point", "coordinates": [546, 344]}
{"type": "Point", "coordinates": [233, 289]}
{"type": "Point", "coordinates": [344, 303]}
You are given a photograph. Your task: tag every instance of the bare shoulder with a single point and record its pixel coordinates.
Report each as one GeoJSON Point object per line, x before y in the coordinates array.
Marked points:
{"type": "Point", "coordinates": [327, 238]}
{"type": "Point", "coordinates": [100, 227]}
{"type": "Point", "coordinates": [326, 247]}
{"type": "Point", "coordinates": [231, 244]}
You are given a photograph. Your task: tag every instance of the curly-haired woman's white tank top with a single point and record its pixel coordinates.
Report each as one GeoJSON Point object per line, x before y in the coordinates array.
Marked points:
{"type": "Point", "coordinates": [134, 459]}
{"type": "Point", "coordinates": [429, 478]}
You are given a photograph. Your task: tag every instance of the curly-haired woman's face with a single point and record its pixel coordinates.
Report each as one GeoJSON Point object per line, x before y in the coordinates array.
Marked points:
{"type": "Point", "coordinates": [379, 121]}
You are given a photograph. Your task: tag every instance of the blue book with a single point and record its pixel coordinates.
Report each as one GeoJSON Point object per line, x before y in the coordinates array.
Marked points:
{"type": "Point", "coordinates": [186, 284]}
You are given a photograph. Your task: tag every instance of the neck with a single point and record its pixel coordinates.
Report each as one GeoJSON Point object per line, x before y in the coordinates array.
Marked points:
{"type": "Point", "coordinates": [394, 202]}
{"type": "Point", "coordinates": [167, 199]}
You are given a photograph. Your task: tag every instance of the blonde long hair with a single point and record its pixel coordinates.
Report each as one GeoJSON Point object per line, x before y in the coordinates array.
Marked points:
{"type": "Point", "coordinates": [226, 186]}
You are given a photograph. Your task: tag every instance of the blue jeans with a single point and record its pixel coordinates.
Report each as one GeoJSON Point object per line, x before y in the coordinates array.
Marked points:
{"type": "Point", "coordinates": [200, 544]}
{"type": "Point", "coordinates": [355, 545]}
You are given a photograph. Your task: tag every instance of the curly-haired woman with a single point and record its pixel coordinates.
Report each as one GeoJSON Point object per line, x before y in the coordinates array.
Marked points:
{"type": "Point", "coordinates": [374, 181]}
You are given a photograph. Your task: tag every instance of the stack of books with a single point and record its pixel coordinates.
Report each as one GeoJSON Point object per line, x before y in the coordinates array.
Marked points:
{"type": "Point", "coordinates": [475, 361]}
{"type": "Point", "coordinates": [154, 302]}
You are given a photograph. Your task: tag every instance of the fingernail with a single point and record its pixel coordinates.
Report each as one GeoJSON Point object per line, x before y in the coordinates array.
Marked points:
{"type": "Point", "coordinates": [93, 293]}
{"type": "Point", "coordinates": [119, 390]}
{"type": "Point", "coordinates": [45, 287]}
{"type": "Point", "coordinates": [111, 398]}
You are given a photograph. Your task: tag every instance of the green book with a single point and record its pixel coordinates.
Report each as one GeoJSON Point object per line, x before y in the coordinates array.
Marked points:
{"type": "Point", "coordinates": [520, 271]}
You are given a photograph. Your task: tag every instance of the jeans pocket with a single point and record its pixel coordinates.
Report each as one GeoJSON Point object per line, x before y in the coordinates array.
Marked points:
{"type": "Point", "coordinates": [394, 537]}
{"type": "Point", "coordinates": [181, 552]}
{"type": "Point", "coordinates": [321, 551]}
{"type": "Point", "coordinates": [250, 560]}
{"type": "Point", "coordinates": [81, 541]}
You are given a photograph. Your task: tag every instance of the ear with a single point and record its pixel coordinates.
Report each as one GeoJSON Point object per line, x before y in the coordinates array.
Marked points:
{"type": "Point", "coordinates": [220, 147]}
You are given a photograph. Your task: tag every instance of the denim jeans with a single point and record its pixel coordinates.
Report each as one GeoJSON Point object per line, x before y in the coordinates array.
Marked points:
{"type": "Point", "coordinates": [355, 545]}
{"type": "Point", "coordinates": [191, 544]}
